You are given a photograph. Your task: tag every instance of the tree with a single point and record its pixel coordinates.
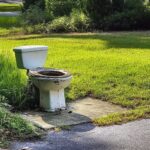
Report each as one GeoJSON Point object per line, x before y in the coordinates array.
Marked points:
{"type": "Point", "coordinates": [98, 10]}
{"type": "Point", "coordinates": [56, 8]}
{"type": "Point", "coordinates": [28, 3]}
{"type": "Point", "coordinates": [118, 5]}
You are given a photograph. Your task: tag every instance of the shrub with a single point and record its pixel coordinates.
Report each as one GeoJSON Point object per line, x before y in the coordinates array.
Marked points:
{"type": "Point", "coordinates": [133, 4]}
{"type": "Point", "coordinates": [38, 28]}
{"type": "Point", "coordinates": [34, 15]}
{"type": "Point", "coordinates": [79, 21]}
{"type": "Point", "coordinates": [117, 5]}
{"type": "Point", "coordinates": [56, 8]}
{"type": "Point", "coordinates": [118, 14]}
{"type": "Point", "coordinates": [61, 24]}
{"type": "Point", "coordinates": [137, 19]}
{"type": "Point", "coordinates": [98, 9]}
{"type": "Point", "coordinates": [28, 3]}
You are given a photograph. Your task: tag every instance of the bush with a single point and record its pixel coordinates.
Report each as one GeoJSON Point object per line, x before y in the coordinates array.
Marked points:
{"type": "Point", "coordinates": [117, 5]}
{"type": "Point", "coordinates": [137, 19]}
{"type": "Point", "coordinates": [59, 8]}
{"type": "Point", "coordinates": [34, 15]}
{"type": "Point", "coordinates": [38, 28]}
{"type": "Point", "coordinates": [97, 10]}
{"type": "Point", "coordinates": [77, 21]}
{"type": "Point", "coordinates": [61, 24]}
{"type": "Point", "coordinates": [134, 4]}
{"type": "Point", "coordinates": [28, 3]}
{"type": "Point", "coordinates": [118, 14]}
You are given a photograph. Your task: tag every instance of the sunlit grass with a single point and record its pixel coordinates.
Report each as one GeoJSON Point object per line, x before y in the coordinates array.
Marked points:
{"type": "Point", "coordinates": [9, 21]}
{"type": "Point", "coordinates": [113, 67]}
{"type": "Point", "coordinates": [10, 30]}
{"type": "Point", "coordinates": [119, 118]}
{"type": "Point", "coordinates": [10, 7]}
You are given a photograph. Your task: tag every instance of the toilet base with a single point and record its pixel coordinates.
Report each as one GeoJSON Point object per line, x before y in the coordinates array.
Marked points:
{"type": "Point", "coordinates": [52, 101]}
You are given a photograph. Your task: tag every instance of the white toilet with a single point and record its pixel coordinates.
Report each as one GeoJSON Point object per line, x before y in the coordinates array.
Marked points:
{"type": "Point", "coordinates": [51, 82]}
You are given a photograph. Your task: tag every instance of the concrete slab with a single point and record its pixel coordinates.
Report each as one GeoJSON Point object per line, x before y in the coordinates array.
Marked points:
{"type": "Point", "coordinates": [80, 111]}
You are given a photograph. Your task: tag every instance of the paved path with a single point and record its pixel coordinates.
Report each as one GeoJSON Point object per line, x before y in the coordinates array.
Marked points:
{"type": "Point", "coordinates": [130, 136]}
{"type": "Point", "coordinates": [16, 13]}
{"type": "Point", "coordinates": [10, 1]}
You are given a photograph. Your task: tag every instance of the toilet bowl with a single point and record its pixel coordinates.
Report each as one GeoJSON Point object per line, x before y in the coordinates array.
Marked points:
{"type": "Point", "coordinates": [51, 83]}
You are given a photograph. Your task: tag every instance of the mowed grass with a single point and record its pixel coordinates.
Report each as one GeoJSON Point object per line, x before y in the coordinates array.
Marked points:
{"type": "Point", "coordinates": [9, 21]}
{"type": "Point", "coordinates": [10, 30]}
{"type": "Point", "coordinates": [10, 7]}
{"type": "Point", "coordinates": [113, 67]}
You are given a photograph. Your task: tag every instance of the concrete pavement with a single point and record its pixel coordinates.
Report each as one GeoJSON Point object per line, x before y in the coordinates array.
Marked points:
{"type": "Point", "coordinates": [130, 136]}
{"type": "Point", "coordinates": [10, 1]}
{"type": "Point", "coordinates": [79, 111]}
{"type": "Point", "coordinates": [16, 13]}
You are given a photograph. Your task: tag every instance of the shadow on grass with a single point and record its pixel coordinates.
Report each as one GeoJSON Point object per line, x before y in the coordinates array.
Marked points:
{"type": "Point", "coordinates": [114, 40]}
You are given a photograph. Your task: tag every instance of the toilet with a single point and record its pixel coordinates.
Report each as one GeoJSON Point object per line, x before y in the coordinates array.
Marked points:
{"type": "Point", "coordinates": [50, 82]}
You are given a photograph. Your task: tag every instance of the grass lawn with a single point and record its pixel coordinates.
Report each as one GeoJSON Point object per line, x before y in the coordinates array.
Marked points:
{"type": "Point", "coordinates": [113, 67]}
{"type": "Point", "coordinates": [9, 21]}
{"type": "Point", "coordinates": [10, 7]}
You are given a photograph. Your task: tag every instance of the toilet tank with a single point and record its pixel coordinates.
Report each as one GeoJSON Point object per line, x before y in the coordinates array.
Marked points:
{"type": "Point", "coordinates": [31, 56]}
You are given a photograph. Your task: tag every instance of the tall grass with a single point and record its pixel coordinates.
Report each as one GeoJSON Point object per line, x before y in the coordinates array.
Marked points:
{"type": "Point", "coordinates": [12, 126]}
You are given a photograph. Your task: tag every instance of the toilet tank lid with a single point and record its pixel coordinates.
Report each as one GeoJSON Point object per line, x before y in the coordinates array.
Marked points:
{"type": "Point", "coordinates": [31, 48]}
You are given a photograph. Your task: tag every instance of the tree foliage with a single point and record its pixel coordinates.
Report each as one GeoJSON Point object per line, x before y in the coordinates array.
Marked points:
{"type": "Point", "coordinates": [98, 9]}
{"type": "Point", "coordinates": [104, 14]}
{"type": "Point", "coordinates": [28, 3]}
{"type": "Point", "coordinates": [57, 8]}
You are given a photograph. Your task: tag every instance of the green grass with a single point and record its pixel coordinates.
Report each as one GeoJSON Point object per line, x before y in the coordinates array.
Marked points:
{"type": "Point", "coordinates": [4, 31]}
{"type": "Point", "coordinates": [10, 30]}
{"type": "Point", "coordinates": [9, 21]}
{"type": "Point", "coordinates": [113, 67]}
{"type": "Point", "coordinates": [12, 126]}
{"type": "Point", "coordinates": [10, 7]}
{"type": "Point", "coordinates": [119, 118]}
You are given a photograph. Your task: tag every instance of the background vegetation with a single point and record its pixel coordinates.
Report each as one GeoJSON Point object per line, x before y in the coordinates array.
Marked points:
{"type": "Point", "coordinates": [98, 14]}
{"type": "Point", "coordinates": [113, 67]}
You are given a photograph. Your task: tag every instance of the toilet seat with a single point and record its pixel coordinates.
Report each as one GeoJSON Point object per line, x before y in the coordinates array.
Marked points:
{"type": "Point", "coordinates": [48, 73]}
